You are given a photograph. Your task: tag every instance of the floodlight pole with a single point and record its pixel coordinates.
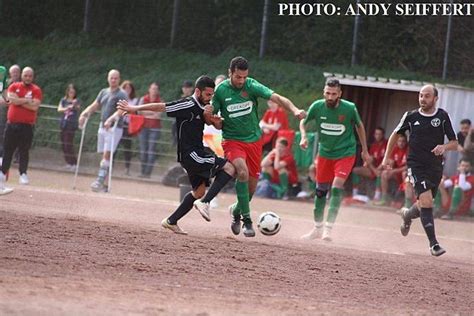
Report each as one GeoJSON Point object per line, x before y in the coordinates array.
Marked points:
{"type": "Point", "coordinates": [87, 9]}
{"type": "Point", "coordinates": [174, 23]}
{"type": "Point", "coordinates": [446, 47]}
{"type": "Point", "coordinates": [355, 37]}
{"type": "Point", "coordinates": [263, 37]}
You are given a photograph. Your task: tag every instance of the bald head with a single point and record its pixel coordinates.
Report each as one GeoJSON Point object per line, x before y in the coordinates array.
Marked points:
{"type": "Point", "coordinates": [427, 99]}
{"type": "Point", "coordinates": [27, 75]}
{"type": "Point", "coordinates": [113, 79]}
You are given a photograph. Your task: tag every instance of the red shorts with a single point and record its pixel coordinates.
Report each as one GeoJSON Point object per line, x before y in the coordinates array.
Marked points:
{"type": "Point", "coordinates": [328, 169]}
{"type": "Point", "coordinates": [251, 152]}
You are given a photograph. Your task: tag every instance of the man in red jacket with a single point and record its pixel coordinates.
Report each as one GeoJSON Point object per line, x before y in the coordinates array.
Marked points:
{"type": "Point", "coordinates": [24, 99]}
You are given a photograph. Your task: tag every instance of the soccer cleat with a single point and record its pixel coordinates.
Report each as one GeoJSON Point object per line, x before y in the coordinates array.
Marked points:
{"type": "Point", "coordinates": [326, 234]}
{"type": "Point", "coordinates": [24, 179]}
{"type": "Point", "coordinates": [436, 250]}
{"type": "Point", "coordinates": [203, 209]}
{"type": "Point", "coordinates": [98, 186]}
{"type": "Point", "coordinates": [405, 226]}
{"type": "Point", "coordinates": [4, 190]}
{"type": "Point", "coordinates": [235, 225]}
{"type": "Point", "coordinates": [174, 228]}
{"type": "Point", "coordinates": [248, 229]}
{"type": "Point", "coordinates": [447, 217]}
{"type": "Point", "coordinates": [315, 233]}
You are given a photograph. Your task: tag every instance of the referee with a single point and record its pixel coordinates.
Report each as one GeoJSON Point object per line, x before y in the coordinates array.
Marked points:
{"type": "Point", "coordinates": [427, 127]}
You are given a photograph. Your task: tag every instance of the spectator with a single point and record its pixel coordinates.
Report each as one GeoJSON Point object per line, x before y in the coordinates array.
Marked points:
{"type": "Point", "coordinates": [107, 100]}
{"type": "Point", "coordinates": [126, 140]}
{"type": "Point", "coordinates": [24, 100]}
{"type": "Point", "coordinates": [465, 126]}
{"type": "Point", "coordinates": [456, 192]}
{"type": "Point", "coordinates": [468, 152]}
{"type": "Point", "coordinates": [274, 119]}
{"type": "Point", "coordinates": [150, 132]}
{"type": "Point", "coordinates": [69, 107]}
{"type": "Point", "coordinates": [398, 163]}
{"type": "Point", "coordinates": [14, 76]}
{"type": "Point", "coordinates": [187, 90]}
{"type": "Point", "coordinates": [219, 79]}
{"type": "Point", "coordinates": [372, 169]}
{"type": "Point", "coordinates": [279, 167]}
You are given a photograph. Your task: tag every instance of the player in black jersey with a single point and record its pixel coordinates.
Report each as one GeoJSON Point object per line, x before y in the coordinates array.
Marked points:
{"type": "Point", "coordinates": [427, 127]}
{"type": "Point", "coordinates": [200, 163]}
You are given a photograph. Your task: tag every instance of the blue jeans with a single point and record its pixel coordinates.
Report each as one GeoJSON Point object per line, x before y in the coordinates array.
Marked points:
{"type": "Point", "coordinates": [148, 143]}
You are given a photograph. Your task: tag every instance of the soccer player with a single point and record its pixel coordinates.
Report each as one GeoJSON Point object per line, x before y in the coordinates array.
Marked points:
{"type": "Point", "coordinates": [201, 164]}
{"type": "Point", "coordinates": [236, 99]}
{"type": "Point", "coordinates": [427, 127]}
{"type": "Point", "coordinates": [106, 100]}
{"type": "Point", "coordinates": [335, 119]}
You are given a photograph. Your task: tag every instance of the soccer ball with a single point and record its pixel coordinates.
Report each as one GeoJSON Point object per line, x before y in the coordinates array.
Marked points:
{"type": "Point", "coordinates": [269, 223]}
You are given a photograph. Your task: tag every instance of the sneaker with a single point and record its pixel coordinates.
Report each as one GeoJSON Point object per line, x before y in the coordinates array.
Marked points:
{"type": "Point", "coordinates": [436, 250]}
{"type": "Point", "coordinates": [214, 203]}
{"type": "Point", "coordinates": [316, 233]}
{"type": "Point", "coordinates": [24, 179]}
{"type": "Point", "coordinates": [235, 225]}
{"type": "Point", "coordinates": [405, 226]}
{"type": "Point", "coordinates": [174, 228]}
{"type": "Point", "coordinates": [98, 186]}
{"type": "Point", "coordinates": [326, 234]}
{"type": "Point", "coordinates": [3, 189]}
{"type": "Point", "coordinates": [203, 209]}
{"type": "Point", "coordinates": [248, 229]}
{"type": "Point", "coordinates": [448, 217]}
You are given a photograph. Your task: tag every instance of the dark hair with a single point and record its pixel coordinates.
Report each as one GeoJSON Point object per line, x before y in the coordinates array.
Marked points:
{"type": "Point", "coordinates": [238, 62]}
{"type": "Point", "coordinates": [435, 91]}
{"type": "Point", "coordinates": [466, 121]}
{"type": "Point", "coordinates": [154, 83]}
{"type": "Point", "coordinates": [465, 160]}
{"type": "Point", "coordinates": [69, 87]}
{"type": "Point", "coordinates": [283, 141]}
{"type": "Point", "coordinates": [380, 129]}
{"type": "Point", "coordinates": [333, 83]}
{"type": "Point", "coordinates": [204, 82]}
{"type": "Point", "coordinates": [129, 83]}
{"type": "Point", "coordinates": [188, 84]}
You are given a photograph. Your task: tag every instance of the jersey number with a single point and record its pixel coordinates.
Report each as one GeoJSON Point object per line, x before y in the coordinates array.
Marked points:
{"type": "Point", "coordinates": [424, 184]}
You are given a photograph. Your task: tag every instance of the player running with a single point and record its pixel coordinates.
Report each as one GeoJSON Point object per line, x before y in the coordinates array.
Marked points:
{"type": "Point", "coordinates": [427, 127]}
{"type": "Point", "coordinates": [236, 99]}
{"type": "Point", "coordinates": [335, 119]}
{"type": "Point", "coordinates": [200, 163]}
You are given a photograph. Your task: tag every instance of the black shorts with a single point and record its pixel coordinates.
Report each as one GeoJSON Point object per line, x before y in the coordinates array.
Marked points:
{"type": "Point", "coordinates": [201, 166]}
{"type": "Point", "coordinates": [424, 178]}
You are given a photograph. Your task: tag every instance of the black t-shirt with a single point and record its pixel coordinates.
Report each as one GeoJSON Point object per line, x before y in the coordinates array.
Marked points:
{"type": "Point", "coordinates": [461, 139]}
{"type": "Point", "coordinates": [426, 132]}
{"type": "Point", "coordinates": [189, 123]}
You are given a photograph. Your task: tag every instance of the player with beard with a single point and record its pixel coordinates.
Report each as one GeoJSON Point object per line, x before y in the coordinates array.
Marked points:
{"type": "Point", "coordinates": [427, 127]}
{"type": "Point", "coordinates": [335, 119]}
{"type": "Point", "coordinates": [200, 163]}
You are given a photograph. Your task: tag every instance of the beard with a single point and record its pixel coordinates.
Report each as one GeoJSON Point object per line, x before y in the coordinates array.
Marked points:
{"type": "Point", "coordinates": [200, 99]}
{"type": "Point", "coordinates": [425, 107]}
{"type": "Point", "coordinates": [331, 104]}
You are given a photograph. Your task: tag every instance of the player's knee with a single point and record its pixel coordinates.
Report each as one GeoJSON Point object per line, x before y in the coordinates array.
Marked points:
{"type": "Point", "coordinates": [229, 169]}
{"type": "Point", "coordinates": [199, 192]}
{"type": "Point", "coordinates": [242, 174]}
{"type": "Point", "coordinates": [321, 193]}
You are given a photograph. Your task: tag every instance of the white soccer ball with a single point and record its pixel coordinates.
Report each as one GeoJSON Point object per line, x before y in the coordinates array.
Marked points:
{"type": "Point", "coordinates": [269, 223]}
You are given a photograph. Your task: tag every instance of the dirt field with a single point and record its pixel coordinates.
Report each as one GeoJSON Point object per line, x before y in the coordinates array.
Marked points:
{"type": "Point", "coordinates": [65, 252]}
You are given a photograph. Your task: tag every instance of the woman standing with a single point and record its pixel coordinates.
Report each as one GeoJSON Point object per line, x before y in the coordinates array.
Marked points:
{"type": "Point", "coordinates": [69, 106]}
{"type": "Point", "coordinates": [150, 132]}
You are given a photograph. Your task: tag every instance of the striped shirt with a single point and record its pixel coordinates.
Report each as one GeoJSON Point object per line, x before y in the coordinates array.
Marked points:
{"type": "Point", "coordinates": [189, 123]}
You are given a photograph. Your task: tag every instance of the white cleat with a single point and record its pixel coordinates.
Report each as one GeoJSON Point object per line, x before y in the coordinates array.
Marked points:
{"type": "Point", "coordinates": [203, 209]}
{"type": "Point", "coordinates": [5, 190]}
{"type": "Point", "coordinates": [24, 179]}
{"type": "Point", "coordinates": [174, 228]}
{"type": "Point", "coordinates": [313, 234]}
{"type": "Point", "coordinates": [327, 234]}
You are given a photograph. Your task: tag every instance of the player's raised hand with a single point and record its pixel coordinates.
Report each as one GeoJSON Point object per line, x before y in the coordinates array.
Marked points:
{"type": "Point", "coordinates": [300, 114]}
{"type": "Point", "coordinates": [123, 106]}
{"type": "Point", "coordinates": [439, 150]}
{"type": "Point", "coordinates": [304, 143]}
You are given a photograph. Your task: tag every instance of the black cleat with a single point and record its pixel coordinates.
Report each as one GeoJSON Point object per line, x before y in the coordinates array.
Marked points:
{"type": "Point", "coordinates": [436, 250]}
{"type": "Point", "coordinates": [235, 225]}
{"type": "Point", "coordinates": [405, 227]}
{"type": "Point", "coordinates": [248, 229]}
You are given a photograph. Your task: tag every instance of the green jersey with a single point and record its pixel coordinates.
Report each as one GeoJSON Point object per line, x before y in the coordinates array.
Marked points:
{"type": "Point", "coordinates": [238, 107]}
{"type": "Point", "coordinates": [335, 127]}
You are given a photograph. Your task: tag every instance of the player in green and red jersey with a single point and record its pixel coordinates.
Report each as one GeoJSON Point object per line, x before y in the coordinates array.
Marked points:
{"type": "Point", "coordinates": [237, 99]}
{"type": "Point", "coordinates": [335, 119]}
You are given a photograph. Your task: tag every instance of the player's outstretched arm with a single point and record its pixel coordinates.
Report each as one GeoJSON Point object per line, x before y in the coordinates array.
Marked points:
{"type": "Point", "coordinates": [388, 152]}
{"type": "Point", "coordinates": [154, 107]}
{"type": "Point", "coordinates": [287, 104]}
{"type": "Point", "coordinates": [304, 139]}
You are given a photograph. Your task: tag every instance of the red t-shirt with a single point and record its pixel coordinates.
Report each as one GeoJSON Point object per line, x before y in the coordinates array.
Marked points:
{"type": "Point", "coordinates": [151, 122]}
{"type": "Point", "coordinates": [377, 150]}
{"type": "Point", "coordinates": [399, 156]}
{"type": "Point", "coordinates": [17, 113]}
{"type": "Point", "coordinates": [290, 166]}
{"type": "Point", "coordinates": [272, 117]}
{"type": "Point", "coordinates": [469, 178]}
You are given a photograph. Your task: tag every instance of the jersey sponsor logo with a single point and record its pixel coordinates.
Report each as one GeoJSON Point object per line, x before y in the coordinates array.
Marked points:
{"type": "Point", "coordinates": [341, 118]}
{"type": "Point", "coordinates": [324, 118]}
{"type": "Point", "coordinates": [435, 122]}
{"type": "Point", "coordinates": [228, 99]}
{"type": "Point", "coordinates": [332, 129]}
{"type": "Point", "coordinates": [244, 94]}
{"type": "Point", "coordinates": [241, 109]}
